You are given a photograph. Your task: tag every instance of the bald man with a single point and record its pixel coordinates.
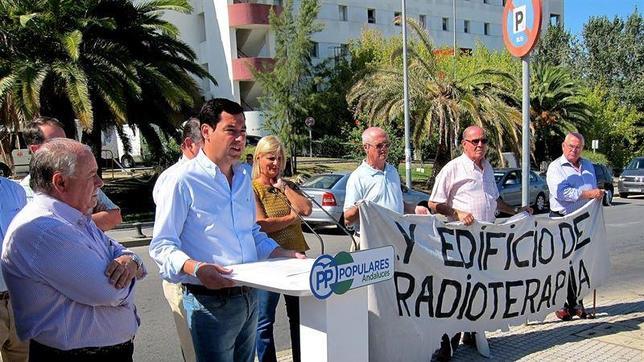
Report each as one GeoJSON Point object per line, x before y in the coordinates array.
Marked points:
{"type": "Point", "coordinates": [375, 180]}
{"type": "Point", "coordinates": [465, 190]}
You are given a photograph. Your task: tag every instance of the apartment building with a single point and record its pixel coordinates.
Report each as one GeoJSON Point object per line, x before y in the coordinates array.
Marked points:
{"type": "Point", "coordinates": [232, 36]}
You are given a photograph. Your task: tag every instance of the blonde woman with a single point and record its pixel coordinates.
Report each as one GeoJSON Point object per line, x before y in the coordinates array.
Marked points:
{"type": "Point", "coordinates": [278, 204]}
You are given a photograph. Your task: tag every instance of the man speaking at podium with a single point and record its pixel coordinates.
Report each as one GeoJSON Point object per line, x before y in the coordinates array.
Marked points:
{"type": "Point", "coordinates": [205, 221]}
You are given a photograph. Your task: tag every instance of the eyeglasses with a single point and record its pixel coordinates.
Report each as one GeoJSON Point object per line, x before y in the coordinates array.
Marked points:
{"type": "Point", "coordinates": [477, 141]}
{"type": "Point", "coordinates": [380, 146]}
{"type": "Point", "coordinates": [573, 147]}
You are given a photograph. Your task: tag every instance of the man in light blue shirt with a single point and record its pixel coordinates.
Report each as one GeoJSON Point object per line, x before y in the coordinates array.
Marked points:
{"type": "Point", "coordinates": [72, 287]}
{"type": "Point", "coordinates": [375, 180]}
{"type": "Point", "coordinates": [204, 222]}
{"type": "Point", "coordinates": [12, 200]}
{"type": "Point", "coordinates": [173, 292]}
{"type": "Point", "coordinates": [572, 183]}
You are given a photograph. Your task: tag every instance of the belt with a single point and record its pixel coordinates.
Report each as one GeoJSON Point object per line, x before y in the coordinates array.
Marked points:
{"type": "Point", "coordinates": [59, 354]}
{"type": "Point", "coordinates": [4, 295]}
{"type": "Point", "coordinates": [224, 292]}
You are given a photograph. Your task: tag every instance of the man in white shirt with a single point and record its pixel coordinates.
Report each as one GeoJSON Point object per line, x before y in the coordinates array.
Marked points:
{"type": "Point", "coordinates": [572, 183]}
{"type": "Point", "coordinates": [205, 222]}
{"type": "Point", "coordinates": [465, 190]}
{"type": "Point", "coordinates": [106, 214]}
{"type": "Point", "coordinates": [173, 292]}
{"type": "Point", "coordinates": [375, 180]}
{"type": "Point", "coordinates": [12, 200]}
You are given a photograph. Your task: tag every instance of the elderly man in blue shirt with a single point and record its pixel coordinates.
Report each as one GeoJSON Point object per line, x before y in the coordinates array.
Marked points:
{"type": "Point", "coordinates": [204, 222]}
{"type": "Point", "coordinates": [375, 180]}
{"type": "Point", "coordinates": [72, 287]}
{"type": "Point", "coordinates": [12, 200]}
{"type": "Point", "coordinates": [572, 183]}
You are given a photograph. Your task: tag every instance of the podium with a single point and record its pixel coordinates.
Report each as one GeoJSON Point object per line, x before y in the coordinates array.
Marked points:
{"type": "Point", "coordinates": [334, 329]}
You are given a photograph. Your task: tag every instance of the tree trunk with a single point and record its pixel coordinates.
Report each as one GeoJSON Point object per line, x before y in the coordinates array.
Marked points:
{"type": "Point", "coordinates": [443, 153]}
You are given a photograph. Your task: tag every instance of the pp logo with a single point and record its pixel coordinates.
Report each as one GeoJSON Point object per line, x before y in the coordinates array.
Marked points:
{"type": "Point", "coordinates": [324, 279]}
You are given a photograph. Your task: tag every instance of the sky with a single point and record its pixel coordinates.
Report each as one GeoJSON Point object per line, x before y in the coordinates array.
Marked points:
{"type": "Point", "coordinates": [577, 12]}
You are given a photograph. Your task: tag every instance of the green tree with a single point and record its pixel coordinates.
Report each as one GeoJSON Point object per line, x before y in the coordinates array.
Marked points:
{"type": "Point", "coordinates": [103, 63]}
{"type": "Point", "coordinates": [557, 46]}
{"type": "Point", "coordinates": [614, 56]}
{"type": "Point", "coordinates": [442, 100]}
{"type": "Point", "coordinates": [556, 108]}
{"type": "Point", "coordinates": [288, 84]}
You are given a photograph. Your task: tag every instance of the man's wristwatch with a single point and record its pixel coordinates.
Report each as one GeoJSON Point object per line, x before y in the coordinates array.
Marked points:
{"type": "Point", "coordinates": [137, 259]}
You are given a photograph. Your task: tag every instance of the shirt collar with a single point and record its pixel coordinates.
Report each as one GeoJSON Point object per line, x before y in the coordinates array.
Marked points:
{"type": "Point", "coordinates": [371, 170]}
{"type": "Point", "coordinates": [211, 167]}
{"type": "Point", "coordinates": [471, 166]}
{"type": "Point", "coordinates": [61, 209]}
{"type": "Point", "coordinates": [564, 161]}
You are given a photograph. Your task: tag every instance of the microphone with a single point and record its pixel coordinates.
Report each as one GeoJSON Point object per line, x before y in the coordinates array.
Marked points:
{"type": "Point", "coordinates": [342, 227]}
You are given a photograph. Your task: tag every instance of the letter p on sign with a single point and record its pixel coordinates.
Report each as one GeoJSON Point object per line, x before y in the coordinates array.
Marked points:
{"type": "Point", "coordinates": [519, 19]}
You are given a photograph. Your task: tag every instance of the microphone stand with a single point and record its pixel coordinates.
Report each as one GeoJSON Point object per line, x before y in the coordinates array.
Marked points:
{"type": "Point", "coordinates": [275, 191]}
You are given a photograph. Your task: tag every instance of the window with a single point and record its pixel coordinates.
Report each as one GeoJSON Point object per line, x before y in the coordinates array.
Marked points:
{"type": "Point", "coordinates": [201, 27]}
{"type": "Point", "coordinates": [371, 16]}
{"type": "Point", "coordinates": [554, 19]}
{"type": "Point", "coordinates": [397, 15]}
{"type": "Point", "coordinates": [342, 12]}
{"type": "Point", "coordinates": [422, 20]}
{"type": "Point", "coordinates": [445, 24]}
{"type": "Point", "coordinates": [344, 49]}
{"type": "Point", "coordinates": [315, 50]}
{"type": "Point", "coordinates": [486, 28]}
{"type": "Point", "coordinates": [466, 26]}
{"type": "Point", "coordinates": [486, 1]}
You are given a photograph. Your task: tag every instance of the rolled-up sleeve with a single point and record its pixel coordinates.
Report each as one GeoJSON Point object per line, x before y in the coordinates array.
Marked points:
{"type": "Point", "coordinates": [171, 214]}
{"type": "Point", "coordinates": [440, 192]}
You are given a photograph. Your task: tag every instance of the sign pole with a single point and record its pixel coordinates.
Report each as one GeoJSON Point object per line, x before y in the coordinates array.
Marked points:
{"type": "Point", "coordinates": [525, 143]}
{"type": "Point", "coordinates": [406, 98]}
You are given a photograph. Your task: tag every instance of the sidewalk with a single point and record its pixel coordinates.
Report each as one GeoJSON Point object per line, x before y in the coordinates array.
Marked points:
{"type": "Point", "coordinates": [617, 334]}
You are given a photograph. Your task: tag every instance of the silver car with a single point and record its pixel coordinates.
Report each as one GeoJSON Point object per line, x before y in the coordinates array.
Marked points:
{"type": "Point", "coordinates": [329, 190]}
{"type": "Point", "coordinates": [631, 181]}
{"type": "Point", "coordinates": [508, 181]}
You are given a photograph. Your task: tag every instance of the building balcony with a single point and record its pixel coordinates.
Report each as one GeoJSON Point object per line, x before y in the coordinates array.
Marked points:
{"type": "Point", "coordinates": [242, 67]}
{"type": "Point", "coordinates": [250, 15]}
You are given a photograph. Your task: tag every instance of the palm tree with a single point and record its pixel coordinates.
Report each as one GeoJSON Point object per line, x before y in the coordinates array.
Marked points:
{"type": "Point", "coordinates": [102, 62]}
{"type": "Point", "coordinates": [557, 107]}
{"type": "Point", "coordinates": [441, 101]}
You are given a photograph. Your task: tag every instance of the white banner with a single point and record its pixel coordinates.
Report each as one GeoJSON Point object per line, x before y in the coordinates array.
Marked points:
{"type": "Point", "coordinates": [450, 278]}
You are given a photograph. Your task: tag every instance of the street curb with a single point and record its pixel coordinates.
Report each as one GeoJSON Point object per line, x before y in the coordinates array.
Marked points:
{"type": "Point", "coordinates": [131, 243]}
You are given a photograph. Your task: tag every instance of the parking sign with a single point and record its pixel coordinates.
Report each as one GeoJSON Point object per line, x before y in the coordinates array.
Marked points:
{"type": "Point", "coordinates": [521, 25]}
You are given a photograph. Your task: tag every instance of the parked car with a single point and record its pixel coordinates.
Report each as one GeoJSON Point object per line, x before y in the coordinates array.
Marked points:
{"type": "Point", "coordinates": [604, 176]}
{"type": "Point", "coordinates": [329, 190]}
{"type": "Point", "coordinates": [631, 181]}
{"type": "Point", "coordinates": [508, 181]}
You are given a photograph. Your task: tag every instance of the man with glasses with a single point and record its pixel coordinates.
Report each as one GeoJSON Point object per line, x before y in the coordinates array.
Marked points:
{"type": "Point", "coordinates": [375, 180]}
{"type": "Point", "coordinates": [465, 191]}
{"type": "Point", "coordinates": [572, 183]}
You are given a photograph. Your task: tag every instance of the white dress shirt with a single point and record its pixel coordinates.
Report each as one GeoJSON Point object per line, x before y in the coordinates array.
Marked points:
{"type": "Point", "coordinates": [566, 184]}
{"type": "Point", "coordinates": [54, 263]}
{"type": "Point", "coordinates": [462, 185]}
{"type": "Point", "coordinates": [159, 185]}
{"type": "Point", "coordinates": [12, 200]}
{"type": "Point", "coordinates": [200, 216]}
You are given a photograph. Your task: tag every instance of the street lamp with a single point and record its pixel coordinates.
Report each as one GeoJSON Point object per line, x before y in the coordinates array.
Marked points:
{"type": "Point", "coordinates": [406, 97]}
{"type": "Point", "coordinates": [310, 122]}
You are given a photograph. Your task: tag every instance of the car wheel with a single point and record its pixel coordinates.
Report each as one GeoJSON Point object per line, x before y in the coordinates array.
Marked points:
{"type": "Point", "coordinates": [540, 203]}
{"type": "Point", "coordinates": [623, 195]}
{"type": "Point", "coordinates": [608, 198]}
{"type": "Point", "coordinates": [127, 161]}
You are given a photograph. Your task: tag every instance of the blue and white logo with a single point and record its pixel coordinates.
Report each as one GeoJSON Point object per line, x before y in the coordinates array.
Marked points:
{"type": "Point", "coordinates": [348, 271]}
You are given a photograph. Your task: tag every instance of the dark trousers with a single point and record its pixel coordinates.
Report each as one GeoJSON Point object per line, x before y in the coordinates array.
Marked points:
{"type": "Point", "coordinates": [117, 353]}
{"type": "Point", "coordinates": [571, 296]}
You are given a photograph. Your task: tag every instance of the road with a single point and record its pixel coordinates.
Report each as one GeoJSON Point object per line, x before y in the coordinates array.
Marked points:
{"type": "Point", "coordinates": [157, 340]}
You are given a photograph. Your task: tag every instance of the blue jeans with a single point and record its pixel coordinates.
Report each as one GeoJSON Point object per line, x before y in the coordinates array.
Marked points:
{"type": "Point", "coordinates": [222, 327]}
{"type": "Point", "coordinates": [265, 341]}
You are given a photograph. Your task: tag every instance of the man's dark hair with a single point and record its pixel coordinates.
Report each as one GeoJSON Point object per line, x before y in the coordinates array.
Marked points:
{"type": "Point", "coordinates": [210, 113]}
{"type": "Point", "coordinates": [192, 130]}
{"type": "Point", "coordinates": [33, 135]}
